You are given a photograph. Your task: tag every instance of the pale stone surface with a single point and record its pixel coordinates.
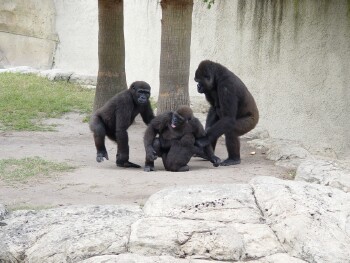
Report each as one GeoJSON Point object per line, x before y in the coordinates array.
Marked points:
{"type": "Point", "coordinates": [202, 239]}
{"type": "Point", "coordinates": [89, 80]}
{"type": "Point", "coordinates": [277, 258]}
{"type": "Point", "coordinates": [266, 221]}
{"type": "Point", "coordinates": [225, 203]}
{"type": "Point", "coordinates": [22, 70]}
{"type": "Point", "coordinates": [285, 153]}
{"type": "Point", "coordinates": [182, 238]}
{"type": "Point", "coordinates": [66, 234]}
{"type": "Point", "coordinates": [56, 74]}
{"type": "Point", "coordinates": [27, 33]}
{"type": "Point", "coordinates": [3, 211]}
{"type": "Point", "coordinates": [311, 221]}
{"type": "Point", "coordinates": [257, 133]}
{"type": "Point", "coordinates": [324, 172]}
{"type": "Point", "coordinates": [134, 258]}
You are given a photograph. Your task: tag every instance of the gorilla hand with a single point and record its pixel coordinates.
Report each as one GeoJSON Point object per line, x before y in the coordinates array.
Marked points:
{"type": "Point", "coordinates": [148, 168]}
{"type": "Point", "coordinates": [202, 142]}
{"type": "Point", "coordinates": [100, 155]}
{"type": "Point", "coordinates": [215, 161]}
{"type": "Point", "coordinates": [151, 154]}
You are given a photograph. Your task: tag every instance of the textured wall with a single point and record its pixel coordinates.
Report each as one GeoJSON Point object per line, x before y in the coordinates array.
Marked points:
{"type": "Point", "coordinates": [295, 58]}
{"type": "Point", "coordinates": [77, 27]}
{"type": "Point", "coordinates": [27, 33]}
{"type": "Point", "coordinates": [294, 55]}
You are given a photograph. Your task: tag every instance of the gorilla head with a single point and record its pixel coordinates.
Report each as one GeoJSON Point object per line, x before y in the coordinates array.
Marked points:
{"type": "Point", "coordinates": [205, 76]}
{"type": "Point", "coordinates": [140, 91]}
{"type": "Point", "coordinates": [181, 116]}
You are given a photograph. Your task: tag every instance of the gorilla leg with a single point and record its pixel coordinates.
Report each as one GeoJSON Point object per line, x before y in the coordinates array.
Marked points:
{"type": "Point", "coordinates": [233, 149]}
{"type": "Point", "coordinates": [122, 140]}
{"type": "Point", "coordinates": [244, 125]}
{"type": "Point", "coordinates": [178, 157]}
{"type": "Point", "coordinates": [99, 131]}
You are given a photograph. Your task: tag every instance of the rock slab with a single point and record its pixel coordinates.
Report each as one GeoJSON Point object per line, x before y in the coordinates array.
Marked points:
{"type": "Point", "coordinates": [266, 221]}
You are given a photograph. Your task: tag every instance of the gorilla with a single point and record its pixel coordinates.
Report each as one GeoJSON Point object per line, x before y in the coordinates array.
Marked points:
{"type": "Point", "coordinates": [232, 111]}
{"type": "Point", "coordinates": [177, 132]}
{"type": "Point", "coordinates": [114, 118]}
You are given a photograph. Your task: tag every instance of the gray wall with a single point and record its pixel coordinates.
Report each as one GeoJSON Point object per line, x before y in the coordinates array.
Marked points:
{"type": "Point", "coordinates": [295, 58]}
{"type": "Point", "coordinates": [293, 55]}
{"type": "Point", "coordinates": [27, 33]}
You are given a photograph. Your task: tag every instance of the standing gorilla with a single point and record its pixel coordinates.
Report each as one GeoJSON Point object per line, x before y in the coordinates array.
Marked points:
{"type": "Point", "coordinates": [115, 117]}
{"type": "Point", "coordinates": [233, 111]}
{"type": "Point", "coordinates": [175, 144]}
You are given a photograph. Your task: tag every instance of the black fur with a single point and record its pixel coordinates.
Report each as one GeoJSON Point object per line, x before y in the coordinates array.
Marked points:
{"type": "Point", "coordinates": [177, 132]}
{"type": "Point", "coordinates": [233, 110]}
{"type": "Point", "coordinates": [114, 118]}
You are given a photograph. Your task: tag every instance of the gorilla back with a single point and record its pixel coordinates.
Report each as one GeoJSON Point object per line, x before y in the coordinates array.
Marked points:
{"type": "Point", "coordinates": [115, 117]}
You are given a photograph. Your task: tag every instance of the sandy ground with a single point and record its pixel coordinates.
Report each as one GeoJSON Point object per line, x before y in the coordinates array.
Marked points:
{"type": "Point", "coordinates": [105, 183]}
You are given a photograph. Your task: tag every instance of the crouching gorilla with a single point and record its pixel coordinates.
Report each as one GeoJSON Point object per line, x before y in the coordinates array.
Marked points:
{"type": "Point", "coordinates": [175, 144]}
{"type": "Point", "coordinates": [114, 118]}
{"type": "Point", "coordinates": [232, 112]}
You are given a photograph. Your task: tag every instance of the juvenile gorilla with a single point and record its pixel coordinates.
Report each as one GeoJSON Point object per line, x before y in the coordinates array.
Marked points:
{"type": "Point", "coordinates": [114, 118]}
{"type": "Point", "coordinates": [175, 144]}
{"type": "Point", "coordinates": [233, 111]}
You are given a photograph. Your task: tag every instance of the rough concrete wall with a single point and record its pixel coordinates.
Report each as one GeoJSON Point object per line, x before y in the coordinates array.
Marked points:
{"type": "Point", "coordinates": [142, 41]}
{"type": "Point", "coordinates": [295, 58]}
{"type": "Point", "coordinates": [27, 33]}
{"type": "Point", "coordinates": [77, 27]}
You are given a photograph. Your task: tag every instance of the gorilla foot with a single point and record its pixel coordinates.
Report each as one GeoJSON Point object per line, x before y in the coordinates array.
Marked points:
{"type": "Point", "coordinates": [229, 162]}
{"type": "Point", "coordinates": [148, 168]}
{"type": "Point", "coordinates": [216, 161]}
{"type": "Point", "coordinates": [100, 155]}
{"type": "Point", "coordinates": [184, 168]}
{"type": "Point", "coordinates": [127, 164]}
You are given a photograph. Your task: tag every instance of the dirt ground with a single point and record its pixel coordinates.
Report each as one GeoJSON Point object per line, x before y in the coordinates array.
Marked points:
{"type": "Point", "coordinates": [105, 183]}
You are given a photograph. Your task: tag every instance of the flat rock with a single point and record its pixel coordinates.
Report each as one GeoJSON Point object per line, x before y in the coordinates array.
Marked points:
{"type": "Point", "coordinates": [312, 222]}
{"type": "Point", "coordinates": [285, 153]}
{"type": "Point", "coordinates": [66, 234]}
{"type": "Point", "coordinates": [56, 74]}
{"type": "Point", "coordinates": [266, 221]}
{"type": "Point", "coordinates": [135, 258]}
{"type": "Point", "coordinates": [225, 203]}
{"type": "Point", "coordinates": [324, 172]}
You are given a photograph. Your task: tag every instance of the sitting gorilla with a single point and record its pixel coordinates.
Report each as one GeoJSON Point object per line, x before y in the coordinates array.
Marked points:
{"type": "Point", "coordinates": [114, 118]}
{"type": "Point", "coordinates": [175, 144]}
{"type": "Point", "coordinates": [232, 112]}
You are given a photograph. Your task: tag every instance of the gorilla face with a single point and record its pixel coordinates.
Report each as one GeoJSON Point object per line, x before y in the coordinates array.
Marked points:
{"type": "Point", "coordinates": [141, 92]}
{"type": "Point", "coordinates": [204, 78]}
{"type": "Point", "coordinates": [177, 120]}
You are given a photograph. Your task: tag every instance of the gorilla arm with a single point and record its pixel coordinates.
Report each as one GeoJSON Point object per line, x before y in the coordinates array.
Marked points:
{"type": "Point", "coordinates": [150, 134]}
{"type": "Point", "coordinates": [146, 113]}
{"type": "Point", "coordinates": [208, 150]}
{"type": "Point", "coordinates": [227, 113]}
